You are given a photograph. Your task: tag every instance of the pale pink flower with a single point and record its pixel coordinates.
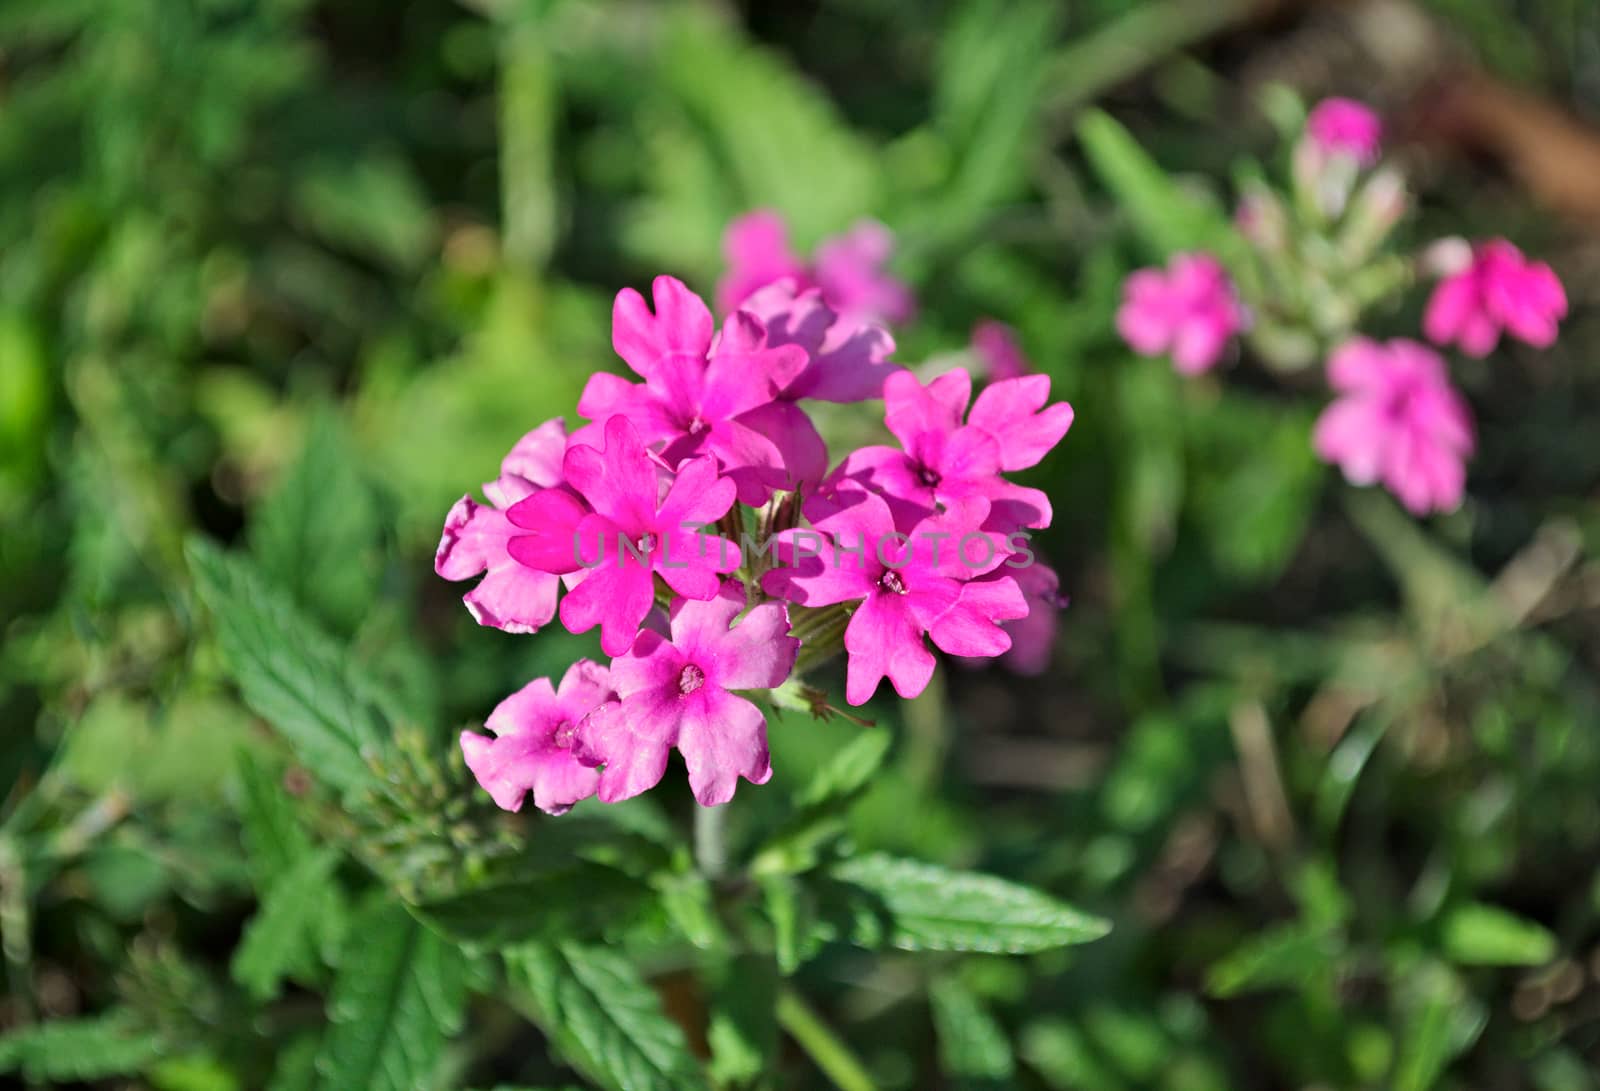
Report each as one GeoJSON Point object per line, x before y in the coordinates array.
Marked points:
{"type": "Point", "coordinates": [942, 460]}
{"type": "Point", "coordinates": [533, 745]}
{"type": "Point", "coordinates": [1397, 421]}
{"type": "Point", "coordinates": [1190, 311]}
{"type": "Point", "coordinates": [1342, 126]}
{"type": "Point", "coordinates": [510, 596]}
{"type": "Point", "coordinates": [704, 393]}
{"type": "Point", "coordinates": [675, 690]}
{"type": "Point", "coordinates": [1500, 290]}
{"type": "Point", "coordinates": [922, 582]}
{"type": "Point", "coordinates": [848, 269]}
{"type": "Point", "coordinates": [996, 346]}
{"type": "Point", "coordinates": [616, 525]}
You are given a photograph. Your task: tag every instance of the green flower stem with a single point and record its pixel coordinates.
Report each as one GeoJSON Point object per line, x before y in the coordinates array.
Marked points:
{"type": "Point", "coordinates": [711, 840]}
{"type": "Point", "coordinates": [822, 1045]}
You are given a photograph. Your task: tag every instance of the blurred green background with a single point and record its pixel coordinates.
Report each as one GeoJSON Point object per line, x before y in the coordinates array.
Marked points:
{"type": "Point", "coordinates": [294, 274]}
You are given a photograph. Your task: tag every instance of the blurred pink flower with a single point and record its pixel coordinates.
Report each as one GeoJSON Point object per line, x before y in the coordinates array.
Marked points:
{"type": "Point", "coordinates": [997, 349]}
{"type": "Point", "coordinates": [1033, 638]}
{"type": "Point", "coordinates": [532, 748]}
{"type": "Point", "coordinates": [1398, 422]}
{"type": "Point", "coordinates": [1190, 311]}
{"type": "Point", "coordinates": [1342, 126]}
{"type": "Point", "coordinates": [674, 691]}
{"type": "Point", "coordinates": [848, 269]}
{"type": "Point", "coordinates": [1500, 289]}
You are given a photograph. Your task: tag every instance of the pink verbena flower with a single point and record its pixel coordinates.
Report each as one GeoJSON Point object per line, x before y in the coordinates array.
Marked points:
{"type": "Point", "coordinates": [998, 351]}
{"type": "Point", "coordinates": [703, 393]}
{"type": "Point", "coordinates": [1033, 638]}
{"type": "Point", "coordinates": [675, 690]}
{"type": "Point", "coordinates": [1500, 289]}
{"type": "Point", "coordinates": [942, 461]}
{"type": "Point", "coordinates": [1191, 311]}
{"type": "Point", "coordinates": [1398, 421]}
{"type": "Point", "coordinates": [1342, 126]}
{"type": "Point", "coordinates": [923, 582]}
{"type": "Point", "coordinates": [848, 269]}
{"type": "Point", "coordinates": [848, 362]}
{"type": "Point", "coordinates": [532, 748]}
{"type": "Point", "coordinates": [510, 596]}
{"type": "Point", "coordinates": [616, 524]}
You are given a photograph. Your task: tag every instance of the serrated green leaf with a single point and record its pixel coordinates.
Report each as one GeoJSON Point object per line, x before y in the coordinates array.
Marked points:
{"type": "Point", "coordinates": [1486, 935]}
{"type": "Point", "coordinates": [274, 839]}
{"type": "Point", "coordinates": [973, 1048]}
{"type": "Point", "coordinates": [1167, 216]}
{"type": "Point", "coordinates": [398, 998]}
{"type": "Point", "coordinates": [290, 672]}
{"type": "Point", "coordinates": [278, 936]}
{"type": "Point", "coordinates": [71, 1050]}
{"type": "Point", "coordinates": [315, 536]}
{"type": "Point", "coordinates": [923, 907]}
{"type": "Point", "coordinates": [581, 900]}
{"type": "Point", "coordinates": [604, 1016]}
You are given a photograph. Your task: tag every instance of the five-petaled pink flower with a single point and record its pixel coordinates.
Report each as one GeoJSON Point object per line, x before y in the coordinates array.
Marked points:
{"type": "Point", "coordinates": [848, 269]}
{"type": "Point", "coordinates": [1500, 289]}
{"type": "Point", "coordinates": [703, 393]}
{"type": "Point", "coordinates": [613, 524]}
{"type": "Point", "coordinates": [510, 596]}
{"type": "Point", "coordinates": [1342, 126]}
{"type": "Point", "coordinates": [942, 461]}
{"type": "Point", "coordinates": [1190, 311]}
{"type": "Point", "coordinates": [1398, 421]}
{"type": "Point", "coordinates": [533, 745]}
{"type": "Point", "coordinates": [923, 581]}
{"type": "Point", "coordinates": [674, 690]}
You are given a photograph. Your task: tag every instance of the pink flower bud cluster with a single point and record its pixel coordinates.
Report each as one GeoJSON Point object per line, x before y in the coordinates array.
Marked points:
{"type": "Point", "coordinates": [698, 521]}
{"type": "Point", "coordinates": [1396, 419]}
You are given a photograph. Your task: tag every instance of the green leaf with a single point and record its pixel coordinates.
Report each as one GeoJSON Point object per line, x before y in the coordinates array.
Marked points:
{"type": "Point", "coordinates": [604, 1016]}
{"type": "Point", "coordinates": [316, 534]}
{"type": "Point", "coordinates": [922, 907]}
{"type": "Point", "coordinates": [278, 936]}
{"type": "Point", "coordinates": [743, 1027]}
{"type": "Point", "coordinates": [789, 909]}
{"type": "Point", "coordinates": [398, 997]}
{"type": "Point", "coordinates": [274, 839]}
{"type": "Point", "coordinates": [1290, 954]}
{"type": "Point", "coordinates": [817, 817]}
{"type": "Point", "coordinates": [581, 899]}
{"type": "Point", "coordinates": [290, 672]}
{"type": "Point", "coordinates": [72, 1050]}
{"type": "Point", "coordinates": [1167, 216]}
{"type": "Point", "coordinates": [973, 1048]}
{"type": "Point", "coordinates": [1486, 935]}
{"type": "Point", "coordinates": [1439, 1020]}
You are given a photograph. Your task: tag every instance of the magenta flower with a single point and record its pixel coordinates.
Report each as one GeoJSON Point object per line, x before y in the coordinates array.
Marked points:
{"type": "Point", "coordinates": [998, 351]}
{"type": "Point", "coordinates": [532, 748]}
{"type": "Point", "coordinates": [942, 461]}
{"type": "Point", "coordinates": [908, 585]}
{"type": "Point", "coordinates": [1398, 421]}
{"type": "Point", "coordinates": [703, 394]}
{"type": "Point", "coordinates": [612, 525]}
{"type": "Point", "coordinates": [848, 269]}
{"type": "Point", "coordinates": [1342, 126]}
{"type": "Point", "coordinates": [1190, 312]}
{"type": "Point", "coordinates": [848, 362]}
{"type": "Point", "coordinates": [510, 596]}
{"type": "Point", "coordinates": [1500, 290]}
{"type": "Point", "coordinates": [675, 691]}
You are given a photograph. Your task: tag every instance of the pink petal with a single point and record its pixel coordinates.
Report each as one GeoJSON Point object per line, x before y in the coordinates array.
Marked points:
{"type": "Point", "coordinates": [626, 741]}
{"type": "Point", "coordinates": [912, 410]}
{"type": "Point", "coordinates": [971, 627]}
{"type": "Point", "coordinates": [547, 536]}
{"type": "Point", "coordinates": [1013, 412]}
{"type": "Point", "coordinates": [758, 652]}
{"type": "Point", "coordinates": [881, 640]}
{"type": "Point", "coordinates": [681, 325]}
{"type": "Point", "coordinates": [533, 463]}
{"type": "Point", "coordinates": [616, 597]}
{"type": "Point", "coordinates": [722, 738]}
{"type": "Point", "coordinates": [619, 482]}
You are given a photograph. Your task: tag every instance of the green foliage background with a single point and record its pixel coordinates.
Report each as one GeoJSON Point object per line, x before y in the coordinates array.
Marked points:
{"type": "Point", "coordinates": [280, 279]}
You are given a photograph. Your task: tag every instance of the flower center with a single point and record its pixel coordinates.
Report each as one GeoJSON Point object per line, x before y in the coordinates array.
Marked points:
{"type": "Point", "coordinates": [928, 477]}
{"type": "Point", "coordinates": [645, 545]}
{"type": "Point", "coordinates": [563, 735]}
{"type": "Point", "coordinates": [690, 679]}
{"type": "Point", "coordinates": [891, 582]}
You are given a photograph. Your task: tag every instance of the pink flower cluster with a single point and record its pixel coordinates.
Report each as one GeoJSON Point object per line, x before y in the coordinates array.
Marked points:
{"type": "Point", "coordinates": [636, 523]}
{"type": "Point", "coordinates": [1396, 419]}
